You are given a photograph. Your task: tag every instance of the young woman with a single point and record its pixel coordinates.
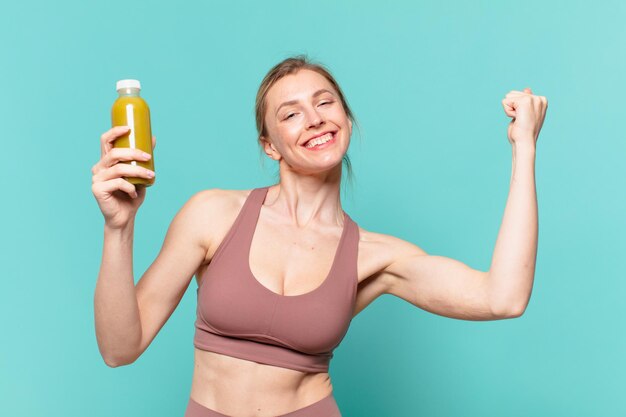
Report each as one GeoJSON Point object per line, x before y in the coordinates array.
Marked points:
{"type": "Point", "coordinates": [282, 269]}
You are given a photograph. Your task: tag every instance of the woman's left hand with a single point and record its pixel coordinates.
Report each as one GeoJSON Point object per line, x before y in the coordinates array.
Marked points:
{"type": "Point", "coordinates": [528, 112]}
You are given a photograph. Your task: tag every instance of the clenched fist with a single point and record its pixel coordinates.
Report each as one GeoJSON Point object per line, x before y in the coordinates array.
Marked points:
{"type": "Point", "coordinates": [528, 112]}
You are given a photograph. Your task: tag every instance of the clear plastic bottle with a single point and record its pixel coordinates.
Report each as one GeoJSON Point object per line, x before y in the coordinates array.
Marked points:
{"type": "Point", "coordinates": [131, 110]}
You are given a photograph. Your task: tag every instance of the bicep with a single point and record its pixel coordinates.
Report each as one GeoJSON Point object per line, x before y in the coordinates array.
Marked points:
{"type": "Point", "coordinates": [437, 284]}
{"type": "Point", "coordinates": [164, 283]}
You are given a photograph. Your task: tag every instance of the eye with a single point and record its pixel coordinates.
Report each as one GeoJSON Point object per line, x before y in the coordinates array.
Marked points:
{"type": "Point", "coordinates": [289, 116]}
{"type": "Point", "coordinates": [322, 103]}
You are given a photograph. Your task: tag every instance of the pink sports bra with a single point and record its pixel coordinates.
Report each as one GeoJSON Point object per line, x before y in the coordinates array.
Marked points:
{"type": "Point", "coordinates": [238, 316]}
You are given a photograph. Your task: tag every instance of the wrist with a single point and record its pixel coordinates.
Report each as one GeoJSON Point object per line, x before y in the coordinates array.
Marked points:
{"type": "Point", "coordinates": [525, 148]}
{"type": "Point", "coordinates": [121, 230]}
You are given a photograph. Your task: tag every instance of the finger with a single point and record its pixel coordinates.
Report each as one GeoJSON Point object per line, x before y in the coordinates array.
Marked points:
{"type": "Point", "coordinates": [123, 170]}
{"type": "Point", "coordinates": [105, 188]}
{"type": "Point", "coordinates": [141, 190]}
{"type": "Point", "coordinates": [116, 155]}
{"type": "Point", "coordinates": [510, 111]}
{"type": "Point", "coordinates": [510, 103]}
{"type": "Point", "coordinates": [109, 136]}
{"type": "Point", "coordinates": [527, 90]}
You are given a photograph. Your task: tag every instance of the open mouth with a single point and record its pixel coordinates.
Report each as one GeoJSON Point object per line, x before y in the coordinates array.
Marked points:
{"type": "Point", "coordinates": [320, 141]}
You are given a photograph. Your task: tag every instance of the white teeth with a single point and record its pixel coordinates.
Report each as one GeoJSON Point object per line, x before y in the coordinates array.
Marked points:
{"type": "Point", "coordinates": [320, 140]}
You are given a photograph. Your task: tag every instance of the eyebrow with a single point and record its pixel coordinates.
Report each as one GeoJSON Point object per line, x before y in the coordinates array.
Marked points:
{"type": "Point", "coordinates": [291, 102]}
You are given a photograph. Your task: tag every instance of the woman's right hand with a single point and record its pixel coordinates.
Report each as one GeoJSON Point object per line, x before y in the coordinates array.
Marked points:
{"type": "Point", "coordinates": [118, 199]}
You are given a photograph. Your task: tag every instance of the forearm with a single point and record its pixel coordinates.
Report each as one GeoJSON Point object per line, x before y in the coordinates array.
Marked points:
{"type": "Point", "coordinates": [512, 270]}
{"type": "Point", "coordinates": [118, 324]}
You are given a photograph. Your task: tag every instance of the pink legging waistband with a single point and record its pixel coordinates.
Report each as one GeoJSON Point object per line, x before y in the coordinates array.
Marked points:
{"type": "Point", "coordinates": [326, 407]}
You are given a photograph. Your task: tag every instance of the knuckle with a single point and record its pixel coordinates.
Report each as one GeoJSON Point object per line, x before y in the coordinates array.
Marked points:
{"type": "Point", "coordinates": [109, 172]}
{"type": "Point", "coordinates": [95, 177]}
{"type": "Point", "coordinates": [109, 157]}
{"type": "Point", "coordinates": [124, 154]}
{"type": "Point", "coordinates": [118, 168]}
{"type": "Point", "coordinates": [118, 154]}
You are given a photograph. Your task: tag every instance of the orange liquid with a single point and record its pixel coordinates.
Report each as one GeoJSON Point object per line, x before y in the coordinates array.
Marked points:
{"type": "Point", "coordinates": [133, 111]}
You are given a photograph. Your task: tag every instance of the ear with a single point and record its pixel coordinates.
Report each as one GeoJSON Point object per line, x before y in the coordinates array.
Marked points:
{"type": "Point", "coordinates": [269, 149]}
{"type": "Point", "coordinates": [350, 124]}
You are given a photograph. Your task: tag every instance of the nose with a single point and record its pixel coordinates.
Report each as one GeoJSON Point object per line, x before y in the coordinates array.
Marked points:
{"type": "Point", "coordinates": [314, 119]}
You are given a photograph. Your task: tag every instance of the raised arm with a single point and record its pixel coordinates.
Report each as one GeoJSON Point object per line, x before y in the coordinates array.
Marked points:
{"type": "Point", "coordinates": [448, 287]}
{"type": "Point", "coordinates": [128, 317]}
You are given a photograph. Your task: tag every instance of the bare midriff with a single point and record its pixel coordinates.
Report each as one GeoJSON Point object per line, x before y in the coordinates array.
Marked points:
{"type": "Point", "coordinates": [234, 386]}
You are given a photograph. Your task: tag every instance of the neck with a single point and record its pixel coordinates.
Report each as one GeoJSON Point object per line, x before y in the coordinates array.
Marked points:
{"type": "Point", "coordinates": [308, 199]}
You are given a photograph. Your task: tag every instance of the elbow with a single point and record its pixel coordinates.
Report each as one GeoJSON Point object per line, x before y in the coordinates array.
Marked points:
{"type": "Point", "coordinates": [516, 311]}
{"type": "Point", "coordinates": [117, 362]}
{"type": "Point", "coordinates": [115, 354]}
{"type": "Point", "coordinates": [508, 310]}
{"type": "Point", "coordinates": [505, 303]}
{"type": "Point", "coordinates": [114, 361]}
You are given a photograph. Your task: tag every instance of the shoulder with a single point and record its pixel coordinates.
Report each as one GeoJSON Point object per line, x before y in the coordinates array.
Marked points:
{"type": "Point", "coordinates": [388, 243]}
{"type": "Point", "coordinates": [216, 200]}
{"type": "Point", "coordinates": [377, 251]}
{"type": "Point", "coordinates": [210, 213]}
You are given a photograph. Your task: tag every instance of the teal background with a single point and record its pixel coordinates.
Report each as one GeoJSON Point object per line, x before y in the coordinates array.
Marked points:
{"type": "Point", "coordinates": [432, 165]}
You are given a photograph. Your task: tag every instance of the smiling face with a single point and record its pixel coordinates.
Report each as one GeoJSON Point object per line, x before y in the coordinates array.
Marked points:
{"type": "Point", "coordinates": [306, 124]}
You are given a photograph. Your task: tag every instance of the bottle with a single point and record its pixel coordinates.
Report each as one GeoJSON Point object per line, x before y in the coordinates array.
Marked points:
{"type": "Point", "coordinates": [131, 110]}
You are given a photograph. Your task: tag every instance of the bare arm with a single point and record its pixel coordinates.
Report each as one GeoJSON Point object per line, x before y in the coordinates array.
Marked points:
{"type": "Point", "coordinates": [512, 271]}
{"type": "Point", "coordinates": [448, 287]}
{"type": "Point", "coordinates": [128, 317]}
{"type": "Point", "coordinates": [118, 325]}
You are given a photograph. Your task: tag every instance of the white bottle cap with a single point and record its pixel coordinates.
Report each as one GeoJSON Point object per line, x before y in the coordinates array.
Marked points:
{"type": "Point", "coordinates": [121, 84]}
